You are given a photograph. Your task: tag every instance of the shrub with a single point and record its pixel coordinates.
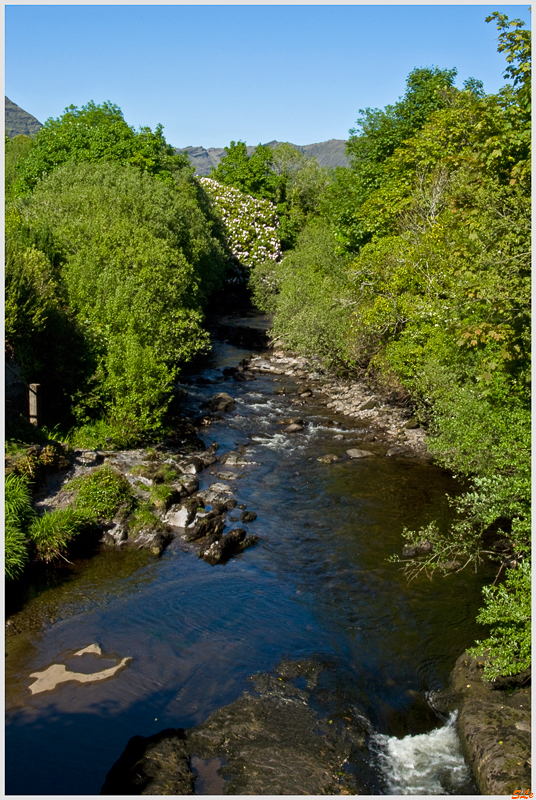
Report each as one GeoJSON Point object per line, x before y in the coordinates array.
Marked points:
{"type": "Point", "coordinates": [507, 608]}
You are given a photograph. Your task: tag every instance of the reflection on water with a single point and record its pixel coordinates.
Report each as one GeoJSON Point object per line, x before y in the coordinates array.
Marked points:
{"type": "Point", "coordinates": [318, 584]}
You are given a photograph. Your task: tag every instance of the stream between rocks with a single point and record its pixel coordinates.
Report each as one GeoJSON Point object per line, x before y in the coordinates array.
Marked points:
{"type": "Point", "coordinates": [306, 664]}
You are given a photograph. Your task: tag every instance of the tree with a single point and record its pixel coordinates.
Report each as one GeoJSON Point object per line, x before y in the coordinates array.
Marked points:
{"type": "Point", "coordinates": [377, 134]}
{"type": "Point", "coordinates": [251, 173]}
{"type": "Point", "coordinates": [138, 260]}
{"type": "Point", "coordinates": [96, 133]}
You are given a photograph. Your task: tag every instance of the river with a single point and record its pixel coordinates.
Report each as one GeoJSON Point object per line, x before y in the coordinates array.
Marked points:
{"type": "Point", "coordinates": [318, 584]}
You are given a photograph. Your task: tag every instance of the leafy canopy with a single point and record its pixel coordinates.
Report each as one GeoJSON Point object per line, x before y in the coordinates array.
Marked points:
{"type": "Point", "coordinates": [96, 133]}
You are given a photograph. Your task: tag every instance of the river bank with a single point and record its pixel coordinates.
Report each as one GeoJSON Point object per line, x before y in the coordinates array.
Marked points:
{"type": "Point", "coordinates": [315, 590]}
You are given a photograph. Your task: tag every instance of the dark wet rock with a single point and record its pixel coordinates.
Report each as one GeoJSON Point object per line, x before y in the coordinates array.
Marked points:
{"type": "Point", "coordinates": [411, 424]}
{"type": "Point", "coordinates": [192, 465]}
{"type": "Point", "coordinates": [227, 476]}
{"type": "Point", "coordinates": [208, 459]}
{"type": "Point", "coordinates": [294, 427]}
{"type": "Point", "coordinates": [115, 534]}
{"type": "Point", "coordinates": [246, 375]}
{"type": "Point", "coordinates": [248, 516]}
{"type": "Point", "coordinates": [221, 549]}
{"type": "Point", "coordinates": [187, 485]}
{"type": "Point", "coordinates": [355, 453]}
{"type": "Point", "coordinates": [399, 450]}
{"type": "Point", "coordinates": [207, 526]}
{"type": "Point", "coordinates": [274, 742]}
{"type": "Point", "coordinates": [157, 765]}
{"type": "Point", "coordinates": [230, 503]}
{"type": "Point", "coordinates": [233, 458]}
{"type": "Point", "coordinates": [221, 402]}
{"type": "Point", "coordinates": [329, 458]}
{"type": "Point", "coordinates": [154, 539]}
{"type": "Point", "coordinates": [242, 506]}
{"type": "Point", "coordinates": [182, 515]}
{"type": "Point", "coordinates": [494, 728]}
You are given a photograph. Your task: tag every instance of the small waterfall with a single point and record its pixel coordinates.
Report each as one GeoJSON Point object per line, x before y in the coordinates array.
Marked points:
{"type": "Point", "coordinates": [427, 764]}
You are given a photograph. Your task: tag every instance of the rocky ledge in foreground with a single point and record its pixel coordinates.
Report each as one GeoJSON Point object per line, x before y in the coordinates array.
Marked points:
{"type": "Point", "coordinates": [494, 724]}
{"type": "Point", "coordinates": [270, 742]}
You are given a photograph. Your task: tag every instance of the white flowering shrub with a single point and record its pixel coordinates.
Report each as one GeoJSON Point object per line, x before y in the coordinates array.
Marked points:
{"type": "Point", "coordinates": [251, 226]}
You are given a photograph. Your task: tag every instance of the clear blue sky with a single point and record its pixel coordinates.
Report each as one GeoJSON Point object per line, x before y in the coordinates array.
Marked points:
{"type": "Point", "coordinates": [212, 73]}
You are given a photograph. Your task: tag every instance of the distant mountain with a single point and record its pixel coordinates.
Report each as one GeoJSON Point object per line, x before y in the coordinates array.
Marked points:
{"type": "Point", "coordinates": [328, 154]}
{"type": "Point", "coordinates": [19, 121]}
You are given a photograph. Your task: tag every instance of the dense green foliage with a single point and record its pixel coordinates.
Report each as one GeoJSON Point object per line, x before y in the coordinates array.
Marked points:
{"type": "Point", "coordinates": [138, 260]}
{"type": "Point", "coordinates": [419, 278]}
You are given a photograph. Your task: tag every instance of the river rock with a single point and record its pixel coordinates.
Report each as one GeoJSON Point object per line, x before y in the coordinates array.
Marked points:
{"type": "Point", "coordinates": [157, 765]}
{"type": "Point", "coordinates": [293, 428]}
{"type": "Point", "coordinates": [206, 526]}
{"type": "Point", "coordinates": [248, 516]}
{"type": "Point", "coordinates": [216, 551]}
{"type": "Point", "coordinates": [494, 728]}
{"type": "Point", "coordinates": [355, 453]}
{"type": "Point", "coordinates": [227, 476]}
{"type": "Point", "coordinates": [192, 465]}
{"type": "Point", "coordinates": [186, 485]}
{"type": "Point", "coordinates": [181, 516]}
{"type": "Point", "coordinates": [369, 404]}
{"type": "Point", "coordinates": [329, 458]}
{"type": "Point", "coordinates": [154, 539]}
{"type": "Point", "coordinates": [273, 741]}
{"type": "Point", "coordinates": [221, 402]}
{"type": "Point", "coordinates": [234, 459]}
{"type": "Point", "coordinates": [399, 450]}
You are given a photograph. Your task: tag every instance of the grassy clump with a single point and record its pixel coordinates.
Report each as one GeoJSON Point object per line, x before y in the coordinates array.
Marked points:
{"type": "Point", "coordinates": [51, 533]}
{"type": "Point", "coordinates": [143, 517]}
{"type": "Point", "coordinates": [18, 514]}
{"type": "Point", "coordinates": [162, 496]}
{"type": "Point", "coordinates": [101, 493]}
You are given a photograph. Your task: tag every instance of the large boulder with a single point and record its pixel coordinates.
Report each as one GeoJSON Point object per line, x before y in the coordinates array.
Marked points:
{"type": "Point", "coordinates": [221, 402]}
{"type": "Point", "coordinates": [356, 453]}
{"type": "Point", "coordinates": [158, 764]}
{"type": "Point", "coordinates": [494, 726]}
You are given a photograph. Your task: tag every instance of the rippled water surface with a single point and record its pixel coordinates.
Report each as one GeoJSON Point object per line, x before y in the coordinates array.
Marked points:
{"type": "Point", "coordinates": [318, 584]}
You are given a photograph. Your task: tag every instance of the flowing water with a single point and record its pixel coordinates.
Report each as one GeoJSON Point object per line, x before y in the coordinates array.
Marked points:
{"type": "Point", "coordinates": [319, 584]}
